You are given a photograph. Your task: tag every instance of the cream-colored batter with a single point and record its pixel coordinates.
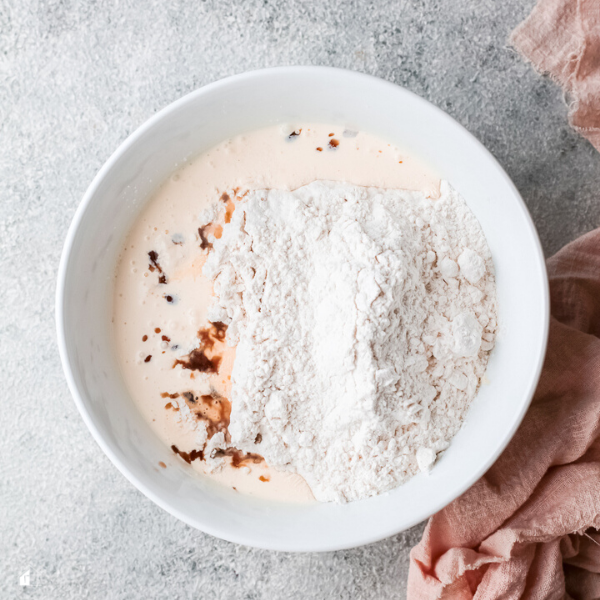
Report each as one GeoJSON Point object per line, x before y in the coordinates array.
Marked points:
{"type": "Point", "coordinates": [161, 297]}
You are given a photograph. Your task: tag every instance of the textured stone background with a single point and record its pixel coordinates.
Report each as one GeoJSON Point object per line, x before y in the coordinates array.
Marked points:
{"type": "Point", "coordinates": [75, 80]}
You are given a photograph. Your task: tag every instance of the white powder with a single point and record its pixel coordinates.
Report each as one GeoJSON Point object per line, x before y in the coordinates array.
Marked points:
{"type": "Point", "coordinates": [358, 315]}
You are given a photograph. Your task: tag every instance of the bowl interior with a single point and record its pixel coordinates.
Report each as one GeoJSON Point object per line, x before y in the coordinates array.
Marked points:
{"type": "Point", "coordinates": [194, 124]}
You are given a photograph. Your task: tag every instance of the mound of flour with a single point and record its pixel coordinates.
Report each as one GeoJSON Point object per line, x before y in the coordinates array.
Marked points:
{"type": "Point", "coordinates": [363, 319]}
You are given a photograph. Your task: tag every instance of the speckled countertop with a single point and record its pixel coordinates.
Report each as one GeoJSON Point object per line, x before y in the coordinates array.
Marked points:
{"type": "Point", "coordinates": [75, 79]}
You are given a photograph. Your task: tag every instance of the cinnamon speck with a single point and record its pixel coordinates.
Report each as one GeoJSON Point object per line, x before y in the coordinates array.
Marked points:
{"type": "Point", "coordinates": [333, 143]}
{"type": "Point", "coordinates": [188, 456]}
{"type": "Point", "coordinates": [157, 330]}
{"type": "Point", "coordinates": [162, 464]}
{"type": "Point", "coordinates": [144, 338]}
{"type": "Point", "coordinates": [263, 478]}
{"type": "Point", "coordinates": [198, 361]}
{"type": "Point", "coordinates": [148, 358]}
{"type": "Point", "coordinates": [238, 458]}
{"type": "Point", "coordinates": [155, 266]}
{"type": "Point", "coordinates": [319, 149]}
{"type": "Point", "coordinates": [204, 243]}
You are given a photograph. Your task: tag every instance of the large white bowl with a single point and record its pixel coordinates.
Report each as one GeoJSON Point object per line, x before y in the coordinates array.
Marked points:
{"type": "Point", "coordinates": [194, 124]}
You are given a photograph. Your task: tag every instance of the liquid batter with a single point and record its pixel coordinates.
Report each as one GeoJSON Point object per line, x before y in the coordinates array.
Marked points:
{"type": "Point", "coordinates": [175, 363]}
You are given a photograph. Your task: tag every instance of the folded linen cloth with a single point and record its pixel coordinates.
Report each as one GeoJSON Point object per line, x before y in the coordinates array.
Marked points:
{"type": "Point", "coordinates": [562, 38]}
{"type": "Point", "coordinates": [529, 528]}
{"type": "Point", "coordinates": [524, 529]}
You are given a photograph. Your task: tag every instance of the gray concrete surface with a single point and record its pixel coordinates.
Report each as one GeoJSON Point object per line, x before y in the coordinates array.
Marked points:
{"type": "Point", "coordinates": [75, 79]}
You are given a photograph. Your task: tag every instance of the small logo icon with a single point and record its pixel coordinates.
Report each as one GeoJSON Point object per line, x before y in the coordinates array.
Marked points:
{"type": "Point", "coordinates": [25, 579]}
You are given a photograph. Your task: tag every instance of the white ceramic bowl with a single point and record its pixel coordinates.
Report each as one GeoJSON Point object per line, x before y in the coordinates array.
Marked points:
{"type": "Point", "coordinates": [194, 124]}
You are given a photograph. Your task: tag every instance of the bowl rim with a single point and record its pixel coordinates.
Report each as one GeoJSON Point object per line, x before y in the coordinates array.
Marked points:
{"type": "Point", "coordinates": [65, 261]}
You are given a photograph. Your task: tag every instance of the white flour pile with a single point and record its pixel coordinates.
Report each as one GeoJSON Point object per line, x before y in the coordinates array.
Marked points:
{"type": "Point", "coordinates": [363, 319]}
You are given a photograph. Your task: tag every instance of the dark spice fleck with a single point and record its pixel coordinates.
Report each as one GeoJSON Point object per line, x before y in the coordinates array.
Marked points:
{"type": "Point", "coordinates": [165, 338]}
{"type": "Point", "coordinates": [189, 397]}
{"type": "Point", "coordinates": [258, 438]}
{"type": "Point", "coordinates": [209, 335]}
{"type": "Point", "coordinates": [331, 134]}
{"type": "Point", "coordinates": [144, 338]}
{"type": "Point", "coordinates": [334, 143]}
{"type": "Point", "coordinates": [225, 197]}
{"type": "Point", "coordinates": [294, 134]}
{"type": "Point", "coordinates": [157, 330]}
{"type": "Point", "coordinates": [204, 243]}
{"type": "Point", "coordinates": [320, 149]}
{"type": "Point", "coordinates": [220, 329]}
{"type": "Point", "coordinates": [167, 395]}
{"type": "Point", "coordinates": [238, 458]}
{"type": "Point", "coordinates": [198, 361]}
{"type": "Point", "coordinates": [154, 265]}
{"type": "Point", "coordinates": [148, 358]}
{"type": "Point", "coordinates": [153, 255]}
{"type": "Point", "coordinates": [169, 298]}
{"type": "Point", "coordinates": [188, 456]}
{"type": "Point", "coordinates": [213, 409]}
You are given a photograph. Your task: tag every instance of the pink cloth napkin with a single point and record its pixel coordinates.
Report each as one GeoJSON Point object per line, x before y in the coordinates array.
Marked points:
{"type": "Point", "coordinates": [523, 530]}
{"type": "Point", "coordinates": [528, 528]}
{"type": "Point", "coordinates": [562, 38]}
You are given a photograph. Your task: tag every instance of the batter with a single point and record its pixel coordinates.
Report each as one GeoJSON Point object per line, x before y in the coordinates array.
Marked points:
{"type": "Point", "coordinates": [174, 362]}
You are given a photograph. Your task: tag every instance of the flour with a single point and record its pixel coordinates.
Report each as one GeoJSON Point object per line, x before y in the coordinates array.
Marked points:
{"type": "Point", "coordinates": [363, 319]}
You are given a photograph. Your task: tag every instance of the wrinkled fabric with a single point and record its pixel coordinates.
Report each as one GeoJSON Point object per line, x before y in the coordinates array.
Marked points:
{"type": "Point", "coordinates": [527, 529]}
{"type": "Point", "coordinates": [562, 38]}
